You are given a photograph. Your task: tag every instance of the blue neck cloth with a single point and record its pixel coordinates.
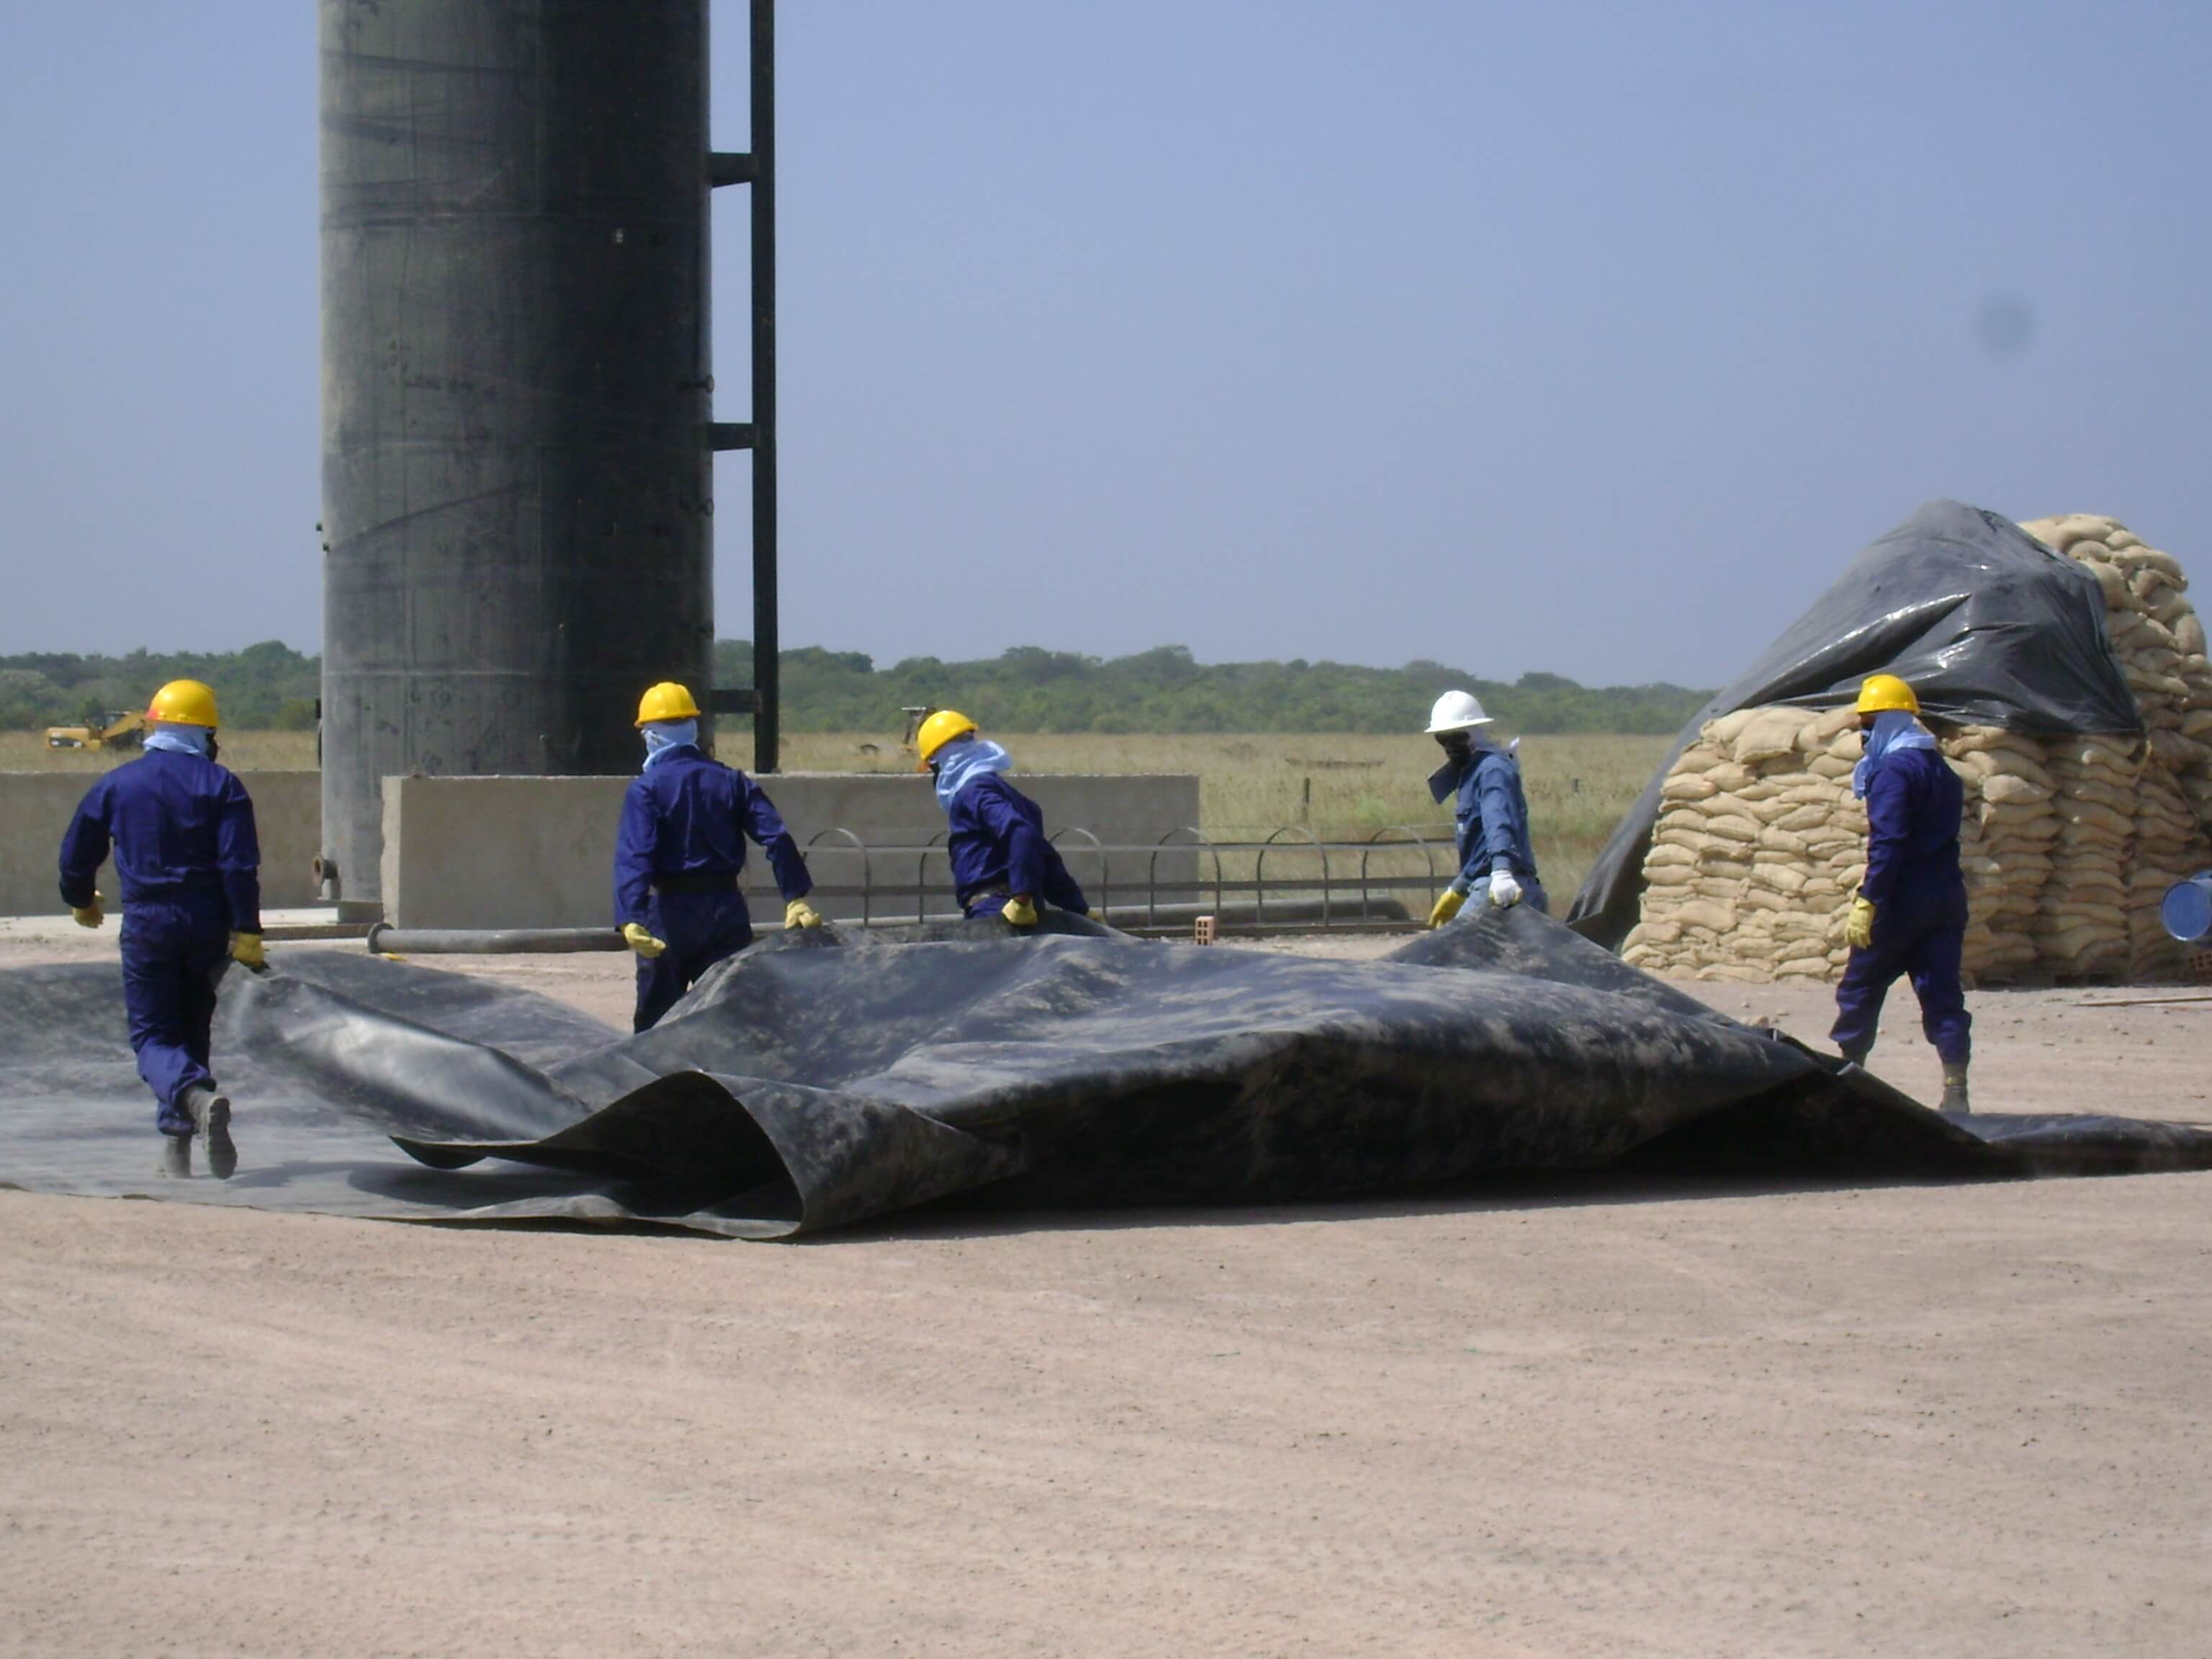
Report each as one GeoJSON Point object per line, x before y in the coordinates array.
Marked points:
{"type": "Point", "coordinates": [664, 736]}
{"type": "Point", "coordinates": [1893, 729]}
{"type": "Point", "coordinates": [178, 739]}
{"type": "Point", "coordinates": [965, 761]}
{"type": "Point", "coordinates": [1447, 778]}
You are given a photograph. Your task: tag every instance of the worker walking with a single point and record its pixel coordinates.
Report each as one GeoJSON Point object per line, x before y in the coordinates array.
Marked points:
{"type": "Point", "coordinates": [182, 828]}
{"type": "Point", "coordinates": [1497, 863]}
{"type": "Point", "coordinates": [678, 852]}
{"type": "Point", "coordinates": [1909, 916]}
{"type": "Point", "coordinates": [1002, 864]}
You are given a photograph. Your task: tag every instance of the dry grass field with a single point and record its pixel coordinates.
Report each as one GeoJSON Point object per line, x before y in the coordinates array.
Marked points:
{"type": "Point", "coordinates": [247, 752]}
{"type": "Point", "coordinates": [1340, 786]}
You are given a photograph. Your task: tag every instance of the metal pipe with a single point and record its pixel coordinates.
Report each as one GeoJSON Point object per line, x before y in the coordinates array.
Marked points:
{"type": "Point", "coordinates": [767, 678]}
{"type": "Point", "coordinates": [386, 940]}
{"type": "Point", "coordinates": [1261, 913]}
{"type": "Point", "coordinates": [490, 941]}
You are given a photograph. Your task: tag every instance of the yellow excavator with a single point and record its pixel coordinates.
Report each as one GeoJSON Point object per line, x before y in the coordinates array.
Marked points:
{"type": "Point", "coordinates": [117, 729]}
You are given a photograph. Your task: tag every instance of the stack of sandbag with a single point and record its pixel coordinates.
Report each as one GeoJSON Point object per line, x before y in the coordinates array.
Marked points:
{"type": "Point", "coordinates": [2165, 780]}
{"type": "Point", "coordinates": [2083, 924]}
{"type": "Point", "coordinates": [2007, 845]}
{"type": "Point", "coordinates": [2068, 844]}
{"type": "Point", "coordinates": [1760, 844]}
{"type": "Point", "coordinates": [1758, 848]}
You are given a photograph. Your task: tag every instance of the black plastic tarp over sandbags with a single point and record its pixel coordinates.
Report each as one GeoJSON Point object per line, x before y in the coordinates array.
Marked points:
{"type": "Point", "coordinates": [824, 1078]}
{"type": "Point", "coordinates": [1986, 624]}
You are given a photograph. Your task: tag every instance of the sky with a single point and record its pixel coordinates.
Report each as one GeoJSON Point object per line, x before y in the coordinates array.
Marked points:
{"type": "Point", "coordinates": [1585, 338]}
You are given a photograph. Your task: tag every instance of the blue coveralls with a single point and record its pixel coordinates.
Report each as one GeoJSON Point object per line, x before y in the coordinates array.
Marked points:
{"type": "Point", "coordinates": [182, 831]}
{"type": "Point", "coordinates": [677, 858]}
{"type": "Point", "coordinates": [999, 849]}
{"type": "Point", "coordinates": [1914, 803]}
{"type": "Point", "coordinates": [1493, 814]}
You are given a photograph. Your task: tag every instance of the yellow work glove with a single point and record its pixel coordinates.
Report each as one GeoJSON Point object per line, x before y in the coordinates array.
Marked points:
{"type": "Point", "coordinates": [1097, 916]}
{"type": "Point", "coordinates": [800, 914]}
{"type": "Point", "coordinates": [643, 943]}
{"type": "Point", "coordinates": [245, 951]}
{"type": "Point", "coordinates": [1447, 907]}
{"type": "Point", "coordinates": [1020, 911]}
{"type": "Point", "coordinates": [1858, 932]}
{"type": "Point", "coordinates": [88, 915]}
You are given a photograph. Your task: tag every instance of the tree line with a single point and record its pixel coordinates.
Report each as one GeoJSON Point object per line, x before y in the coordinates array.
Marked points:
{"type": "Point", "coordinates": [1167, 689]}
{"type": "Point", "coordinates": [271, 686]}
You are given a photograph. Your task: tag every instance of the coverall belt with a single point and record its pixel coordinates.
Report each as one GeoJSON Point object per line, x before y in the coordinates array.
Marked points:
{"type": "Point", "coordinates": [160, 891]}
{"type": "Point", "coordinates": [716, 881]}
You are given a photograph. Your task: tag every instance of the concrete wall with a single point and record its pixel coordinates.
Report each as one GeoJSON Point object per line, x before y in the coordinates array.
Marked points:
{"type": "Point", "coordinates": [36, 809]}
{"type": "Point", "coordinates": [539, 852]}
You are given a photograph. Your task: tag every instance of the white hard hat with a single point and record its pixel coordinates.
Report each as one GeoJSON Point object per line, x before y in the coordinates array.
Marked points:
{"type": "Point", "coordinates": [1456, 711]}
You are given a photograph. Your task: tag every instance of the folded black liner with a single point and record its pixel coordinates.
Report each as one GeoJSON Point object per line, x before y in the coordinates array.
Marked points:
{"type": "Point", "coordinates": [824, 1078]}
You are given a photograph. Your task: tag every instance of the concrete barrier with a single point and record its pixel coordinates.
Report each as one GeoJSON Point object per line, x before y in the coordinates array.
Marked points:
{"type": "Point", "coordinates": [36, 809]}
{"type": "Point", "coordinates": [539, 852]}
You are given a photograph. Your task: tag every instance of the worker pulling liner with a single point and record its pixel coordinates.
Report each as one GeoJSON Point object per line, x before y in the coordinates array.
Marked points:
{"type": "Point", "coordinates": [678, 853]}
{"type": "Point", "coordinates": [1002, 864]}
{"type": "Point", "coordinates": [1483, 782]}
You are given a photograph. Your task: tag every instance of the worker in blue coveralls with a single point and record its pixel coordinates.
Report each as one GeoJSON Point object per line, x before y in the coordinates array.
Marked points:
{"type": "Point", "coordinates": [182, 831]}
{"type": "Point", "coordinates": [1002, 864]}
{"type": "Point", "coordinates": [678, 852]}
{"type": "Point", "coordinates": [1909, 915]}
{"type": "Point", "coordinates": [1496, 863]}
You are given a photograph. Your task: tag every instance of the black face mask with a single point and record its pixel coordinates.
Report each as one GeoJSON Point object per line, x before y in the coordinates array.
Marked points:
{"type": "Point", "coordinates": [213, 748]}
{"type": "Point", "coordinates": [1457, 745]}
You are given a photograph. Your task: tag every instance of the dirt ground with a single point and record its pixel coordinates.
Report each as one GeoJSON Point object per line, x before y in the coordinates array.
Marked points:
{"type": "Point", "coordinates": [1570, 1420]}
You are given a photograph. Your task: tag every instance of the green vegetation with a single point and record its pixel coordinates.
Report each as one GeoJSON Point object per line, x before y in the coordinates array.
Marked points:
{"type": "Point", "coordinates": [1166, 690]}
{"type": "Point", "coordinates": [271, 687]}
{"type": "Point", "coordinates": [268, 686]}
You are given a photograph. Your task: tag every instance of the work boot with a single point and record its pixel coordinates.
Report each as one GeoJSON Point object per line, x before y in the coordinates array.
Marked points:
{"type": "Point", "coordinates": [210, 1115]}
{"type": "Point", "coordinates": [1856, 1057]}
{"type": "Point", "coordinates": [176, 1157]}
{"type": "Point", "coordinates": [1954, 1092]}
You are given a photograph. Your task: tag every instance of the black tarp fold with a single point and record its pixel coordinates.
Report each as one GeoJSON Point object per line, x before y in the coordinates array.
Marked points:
{"type": "Point", "coordinates": [829, 1077]}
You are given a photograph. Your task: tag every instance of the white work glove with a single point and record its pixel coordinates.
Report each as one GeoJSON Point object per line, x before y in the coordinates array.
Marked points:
{"type": "Point", "coordinates": [1505, 891]}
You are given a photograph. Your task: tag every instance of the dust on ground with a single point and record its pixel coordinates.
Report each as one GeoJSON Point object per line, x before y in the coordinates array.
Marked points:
{"type": "Point", "coordinates": [1666, 1420]}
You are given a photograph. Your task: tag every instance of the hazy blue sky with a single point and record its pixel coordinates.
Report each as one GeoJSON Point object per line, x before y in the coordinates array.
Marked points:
{"type": "Point", "coordinates": [1582, 337]}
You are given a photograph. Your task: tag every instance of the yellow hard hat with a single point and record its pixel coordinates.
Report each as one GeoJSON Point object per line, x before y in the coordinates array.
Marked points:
{"type": "Point", "coordinates": [1883, 693]}
{"type": "Point", "coordinates": [667, 701]}
{"type": "Point", "coordinates": [183, 702]}
{"type": "Point", "coordinates": [939, 730]}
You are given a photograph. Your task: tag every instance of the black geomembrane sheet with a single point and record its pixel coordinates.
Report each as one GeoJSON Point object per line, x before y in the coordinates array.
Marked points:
{"type": "Point", "coordinates": [824, 1078]}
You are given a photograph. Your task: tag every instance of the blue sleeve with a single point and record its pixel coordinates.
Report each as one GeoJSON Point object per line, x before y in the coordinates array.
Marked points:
{"type": "Point", "coordinates": [1477, 866]}
{"type": "Point", "coordinates": [1889, 822]}
{"type": "Point", "coordinates": [1503, 829]}
{"type": "Point", "coordinates": [84, 846]}
{"type": "Point", "coordinates": [1011, 829]}
{"type": "Point", "coordinates": [1060, 887]}
{"type": "Point", "coordinates": [238, 856]}
{"type": "Point", "coordinates": [765, 825]}
{"type": "Point", "coordinates": [635, 842]}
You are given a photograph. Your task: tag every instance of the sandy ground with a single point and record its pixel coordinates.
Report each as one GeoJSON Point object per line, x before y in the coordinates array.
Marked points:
{"type": "Point", "coordinates": [1597, 1420]}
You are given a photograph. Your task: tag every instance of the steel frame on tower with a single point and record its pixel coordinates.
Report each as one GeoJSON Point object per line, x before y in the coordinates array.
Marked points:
{"type": "Point", "coordinates": [757, 169]}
